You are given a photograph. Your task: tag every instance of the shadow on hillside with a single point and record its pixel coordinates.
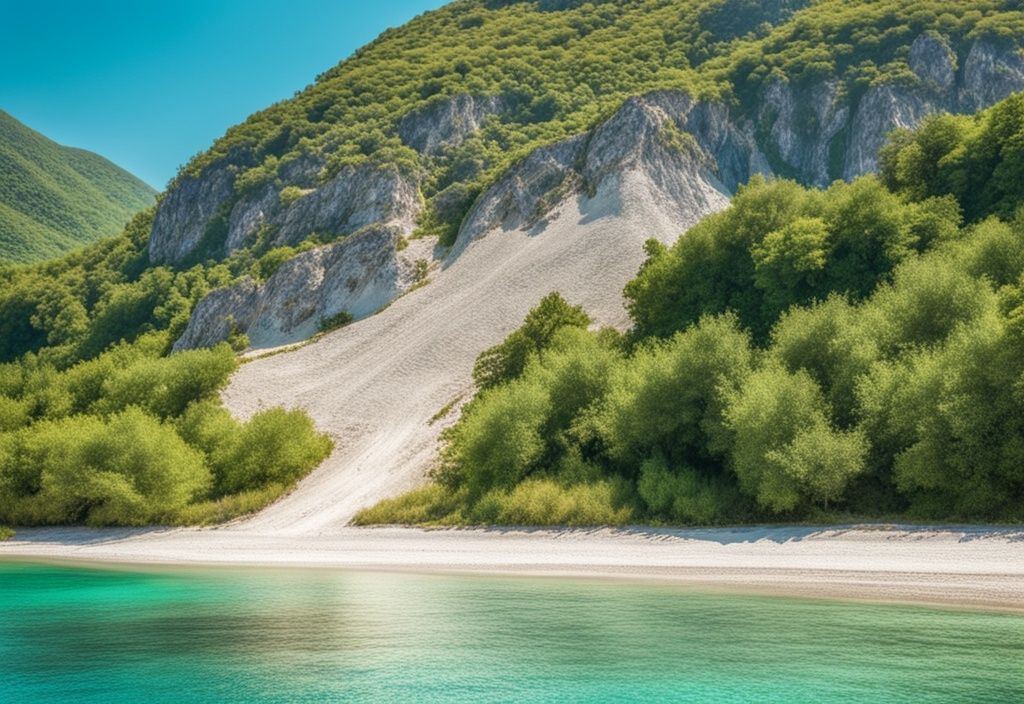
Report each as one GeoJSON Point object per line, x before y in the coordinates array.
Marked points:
{"type": "Point", "coordinates": [80, 536]}
{"type": "Point", "coordinates": [781, 534]}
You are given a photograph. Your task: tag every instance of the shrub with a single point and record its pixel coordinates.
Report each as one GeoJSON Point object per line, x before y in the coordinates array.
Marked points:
{"type": "Point", "coordinates": [685, 496]}
{"type": "Point", "coordinates": [275, 446]}
{"type": "Point", "coordinates": [431, 504]}
{"type": "Point", "coordinates": [506, 361]}
{"type": "Point", "coordinates": [335, 322]}
{"type": "Point", "coordinates": [168, 385]}
{"type": "Point", "coordinates": [123, 471]}
{"type": "Point", "coordinates": [785, 452]}
{"type": "Point", "coordinates": [668, 398]}
{"type": "Point", "coordinates": [543, 502]}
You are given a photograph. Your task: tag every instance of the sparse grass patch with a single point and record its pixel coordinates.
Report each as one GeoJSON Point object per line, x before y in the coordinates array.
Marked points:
{"type": "Point", "coordinates": [429, 505]}
{"type": "Point", "coordinates": [544, 502]}
{"type": "Point", "coordinates": [208, 513]}
{"type": "Point", "coordinates": [445, 410]}
{"type": "Point", "coordinates": [535, 502]}
{"type": "Point", "coordinates": [336, 322]}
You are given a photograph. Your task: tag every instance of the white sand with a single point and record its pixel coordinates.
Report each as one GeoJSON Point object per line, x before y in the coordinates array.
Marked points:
{"type": "Point", "coordinates": [973, 567]}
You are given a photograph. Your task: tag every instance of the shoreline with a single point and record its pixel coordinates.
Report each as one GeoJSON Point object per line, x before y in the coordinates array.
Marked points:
{"type": "Point", "coordinates": [974, 567]}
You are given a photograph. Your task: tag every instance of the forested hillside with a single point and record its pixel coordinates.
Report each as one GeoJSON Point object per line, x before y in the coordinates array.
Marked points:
{"type": "Point", "coordinates": [54, 199]}
{"type": "Point", "coordinates": [486, 117]}
{"type": "Point", "coordinates": [804, 354]}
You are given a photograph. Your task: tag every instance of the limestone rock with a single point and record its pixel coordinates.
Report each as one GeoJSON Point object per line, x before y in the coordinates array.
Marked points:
{"type": "Point", "coordinates": [933, 61]}
{"type": "Point", "coordinates": [359, 276]}
{"type": "Point", "coordinates": [990, 74]}
{"type": "Point", "coordinates": [448, 123]}
{"type": "Point", "coordinates": [185, 212]}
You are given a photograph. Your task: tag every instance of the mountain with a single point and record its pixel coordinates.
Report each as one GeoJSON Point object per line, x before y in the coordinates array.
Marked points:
{"type": "Point", "coordinates": [55, 198]}
{"type": "Point", "coordinates": [488, 114]}
{"type": "Point", "coordinates": [435, 186]}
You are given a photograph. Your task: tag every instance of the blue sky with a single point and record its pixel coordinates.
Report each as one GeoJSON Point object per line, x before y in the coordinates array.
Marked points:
{"type": "Point", "coordinates": [148, 84]}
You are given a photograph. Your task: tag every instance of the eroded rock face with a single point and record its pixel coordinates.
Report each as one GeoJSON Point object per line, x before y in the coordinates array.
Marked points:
{"type": "Point", "coordinates": [800, 124]}
{"type": "Point", "coordinates": [663, 146]}
{"type": "Point", "coordinates": [359, 276]}
{"type": "Point", "coordinates": [527, 191]}
{"type": "Point", "coordinates": [448, 123]}
{"type": "Point", "coordinates": [881, 110]}
{"type": "Point", "coordinates": [357, 197]}
{"type": "Point", "coordinates": [186, 211]}
{"type": "Point", "coordinates": [934, 62]}
{"type": "Point", "coordinates": [990, 74]}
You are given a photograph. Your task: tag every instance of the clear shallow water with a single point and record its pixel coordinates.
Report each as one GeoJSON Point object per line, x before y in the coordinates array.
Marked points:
{"type": "Point", "coordinates": [69, 634]}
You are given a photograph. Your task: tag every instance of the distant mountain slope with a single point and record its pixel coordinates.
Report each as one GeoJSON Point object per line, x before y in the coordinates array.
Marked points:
{"type": "Point", "coordinates": [55, 198]}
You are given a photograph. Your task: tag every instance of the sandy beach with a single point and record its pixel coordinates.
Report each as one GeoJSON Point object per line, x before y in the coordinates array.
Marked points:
{"type": "Point", "coordinates": [970, 567]}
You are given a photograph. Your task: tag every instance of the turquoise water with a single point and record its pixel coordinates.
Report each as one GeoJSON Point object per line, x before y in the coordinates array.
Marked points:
{"type": "Point", "coordinates": [303, 636]}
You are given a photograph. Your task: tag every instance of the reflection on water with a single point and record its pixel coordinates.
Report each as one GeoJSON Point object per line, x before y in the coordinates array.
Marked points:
{"type": "Point", "coordinates": [263, 635]}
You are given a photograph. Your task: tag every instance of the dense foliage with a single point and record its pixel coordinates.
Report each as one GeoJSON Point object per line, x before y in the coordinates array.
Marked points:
{"type": "Point", "coordinates": [803, 354]}
{"type": "Point", "coordinates": [131, 437]}
{"type": "Point", "coordinates": [54, 199]}
{"type": "Point", "coordinates": [716, 406]}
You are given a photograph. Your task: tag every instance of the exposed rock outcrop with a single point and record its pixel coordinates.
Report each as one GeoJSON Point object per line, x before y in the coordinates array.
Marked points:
{"type": "Point", "coordinates": [695, 154]}
{"type": "Point", "coordinates": [881, 110]}
{"type": "Point", "coordinates": [934, 62]}
{"type": "Point", "coordinates": [990, 74]}
{"type": "Point", "coordinates": [447, 123]}
{"type": "Point", "coordinates": [357, 197]}
{"type": "Point", "coordinates": [664, 146]}
{"type": "Point", "coordinates": [358, 276]}
{"type": "Point", "coordinates": [799, 125]}
{"type": "Point", "coordinates": [186, 211]}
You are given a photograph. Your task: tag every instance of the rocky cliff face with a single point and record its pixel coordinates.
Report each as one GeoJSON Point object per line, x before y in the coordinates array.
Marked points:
{"type": "Point", "coordinates": [662, 146]}
{"type": "Point", "coordinates": [447, 123]}
{"type": "Point", "coordinates": [357, 276]}
{"type": "Point", "coordinates": [186, 212]}
{"type": "Point", "coordinates": [357, 197]}
{"type": "Point", "coordinates": [688, 156]}
{"type": "Point", "coordinates": [815, 135]}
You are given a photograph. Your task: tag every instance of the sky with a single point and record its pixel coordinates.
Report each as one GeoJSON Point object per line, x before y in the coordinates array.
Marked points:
{"type": "Point", "coordinates": [149, 84]}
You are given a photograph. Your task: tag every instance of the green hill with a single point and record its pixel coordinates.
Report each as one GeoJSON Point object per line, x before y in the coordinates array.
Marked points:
{"type": "Point", "coordinates": [813, 352]}
{"type": "Point", "coordinates": [55, 198]}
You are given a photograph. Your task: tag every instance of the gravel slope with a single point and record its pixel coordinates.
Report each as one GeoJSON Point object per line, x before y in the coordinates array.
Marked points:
{"type": "Point", "coordinates": [374, 386]}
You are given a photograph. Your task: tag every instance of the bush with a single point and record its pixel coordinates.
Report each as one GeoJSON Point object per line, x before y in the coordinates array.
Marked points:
{"type": "Point", "coordinates": [275, 447]}
{"type": "Point", "coordinates": [506, 361]}
{"type": "Point", "coordinates": [429, 505]}
{"type": "Point", "coordinates": [686, 497]}
{"type": "Point", "coordinates": [168, 385]}
{"type": "Point", "coordinates": [543, 502]}
{"type": "Point", "coordinates": [335, 322]}
{"type": "Point", "coordinates": [667, 399]}
{"type": "Point", "coordinates": [123, 471]}
{"type": "Point", "coordinates": [785, 452]}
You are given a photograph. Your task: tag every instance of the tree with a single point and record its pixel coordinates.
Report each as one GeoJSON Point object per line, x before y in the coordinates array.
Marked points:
{"type": "Point", "coordinates": [506, 361]}
{"type": "Point", "coordinates": [786, 453]}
